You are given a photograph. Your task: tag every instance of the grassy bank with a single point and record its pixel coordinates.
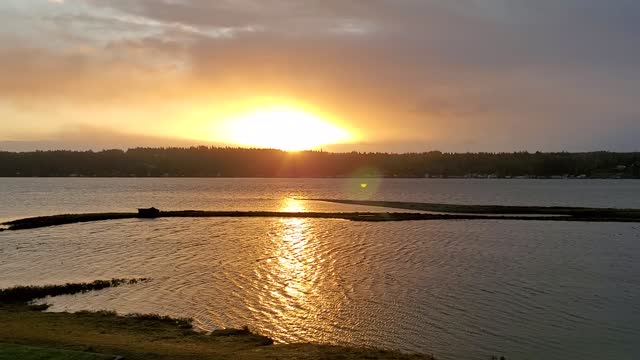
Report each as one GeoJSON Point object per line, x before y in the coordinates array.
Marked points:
{"type": "Point", "coordinates": [23, 352]}
{"type": "Point", "coordinates": [25, 294]}
{"type": "Point", "coordinates": [27, 330]}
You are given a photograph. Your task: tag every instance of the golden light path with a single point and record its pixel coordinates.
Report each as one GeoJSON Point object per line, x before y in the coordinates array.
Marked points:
{"type": "Point", "coordinates": [285, 128]}
{"type": "Point", "coordinates": [290, 274]}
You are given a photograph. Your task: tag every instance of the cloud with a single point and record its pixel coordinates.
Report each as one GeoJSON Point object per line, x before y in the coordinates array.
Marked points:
{"type": "Point", "coordinates": [484, 75]}
{"type": "Point", "coordinates": [85, 137]}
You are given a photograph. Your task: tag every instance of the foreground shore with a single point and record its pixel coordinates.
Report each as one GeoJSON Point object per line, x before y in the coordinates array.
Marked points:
{"type": "Point", "coordinates": [105, 335]}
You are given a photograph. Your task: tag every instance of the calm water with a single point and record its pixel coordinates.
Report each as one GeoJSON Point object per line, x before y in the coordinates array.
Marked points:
{"type": "Point", "coordinates": [528, 290]}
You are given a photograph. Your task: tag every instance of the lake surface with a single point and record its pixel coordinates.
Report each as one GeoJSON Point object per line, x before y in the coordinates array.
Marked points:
{"type": "Point", "coordinates": [457, 289]}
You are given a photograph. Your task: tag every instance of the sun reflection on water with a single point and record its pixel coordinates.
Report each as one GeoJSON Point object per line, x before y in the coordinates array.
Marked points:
{"type": "Point", "coordinates": [292, 272]}
{"type": "Point", "coordinates": [292, 205]}
{"type": "Point", "coordinates": [295, 260]}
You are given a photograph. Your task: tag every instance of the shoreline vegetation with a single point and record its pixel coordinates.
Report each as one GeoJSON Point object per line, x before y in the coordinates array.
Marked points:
{"type": "Point", "coordinates": [433, 212]}
{"type": "Point", "coordinates": [26, 294]}
{"type": "Point", "coordinates": [28, 330]}
{"type": "Point", "coordinates": [204, 161]}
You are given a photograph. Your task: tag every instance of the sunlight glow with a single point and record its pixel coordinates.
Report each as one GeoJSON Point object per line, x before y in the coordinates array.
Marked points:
{"type": "Point", "coordinates": [284, 128]}
{"type": "Point", "coordinates": [292, 205]}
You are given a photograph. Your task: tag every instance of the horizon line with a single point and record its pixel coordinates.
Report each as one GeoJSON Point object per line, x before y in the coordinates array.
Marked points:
{"type": "Point", "coordinates": [320, 150]}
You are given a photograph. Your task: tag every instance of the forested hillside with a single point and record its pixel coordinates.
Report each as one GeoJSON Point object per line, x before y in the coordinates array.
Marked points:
{"type": "Point", "coordinates": [237, 162]}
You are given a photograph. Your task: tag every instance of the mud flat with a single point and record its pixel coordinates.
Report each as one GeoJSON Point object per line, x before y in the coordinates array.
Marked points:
{"type": "Point", "coordinates": [436, 212]}
{"type": "Point", "coordinates": [550, 212]}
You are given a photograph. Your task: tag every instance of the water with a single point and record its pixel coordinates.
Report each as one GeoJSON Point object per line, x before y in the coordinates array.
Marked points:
{"type": "Point", "coordinates": [458, 289]}
{"type": "Point", "coordinates": [21, 197]}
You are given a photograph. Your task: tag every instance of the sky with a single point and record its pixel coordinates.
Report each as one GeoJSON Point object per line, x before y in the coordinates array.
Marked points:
{"type": "Point", "coordinates": [398, 75]}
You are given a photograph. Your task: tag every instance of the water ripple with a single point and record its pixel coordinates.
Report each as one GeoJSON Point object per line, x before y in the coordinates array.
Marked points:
{"type": "Point", "coordinates": [456, 289]}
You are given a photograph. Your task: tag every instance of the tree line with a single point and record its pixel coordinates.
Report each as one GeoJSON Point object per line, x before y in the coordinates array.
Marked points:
{"type": "Point", "coordinates": [239, 162]}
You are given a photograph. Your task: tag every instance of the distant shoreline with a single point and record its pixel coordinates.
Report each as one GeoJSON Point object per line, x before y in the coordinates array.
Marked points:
{"type": "Point", "coordinates": [324, 177]}
{"type": "Point", "coordinates": [214, 162]}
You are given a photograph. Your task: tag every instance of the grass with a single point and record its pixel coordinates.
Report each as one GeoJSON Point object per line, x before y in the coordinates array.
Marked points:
{"type": "Point", "coordinates": [23, 294]}
{"type": "Point", "coordinates": [139, 336]}
{"type": "Point", "coordinates": [13, 352]}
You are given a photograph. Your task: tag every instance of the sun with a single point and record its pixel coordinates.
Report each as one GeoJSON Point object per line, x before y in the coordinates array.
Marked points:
{"type": "Point", "coordinates": [284, 128]}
